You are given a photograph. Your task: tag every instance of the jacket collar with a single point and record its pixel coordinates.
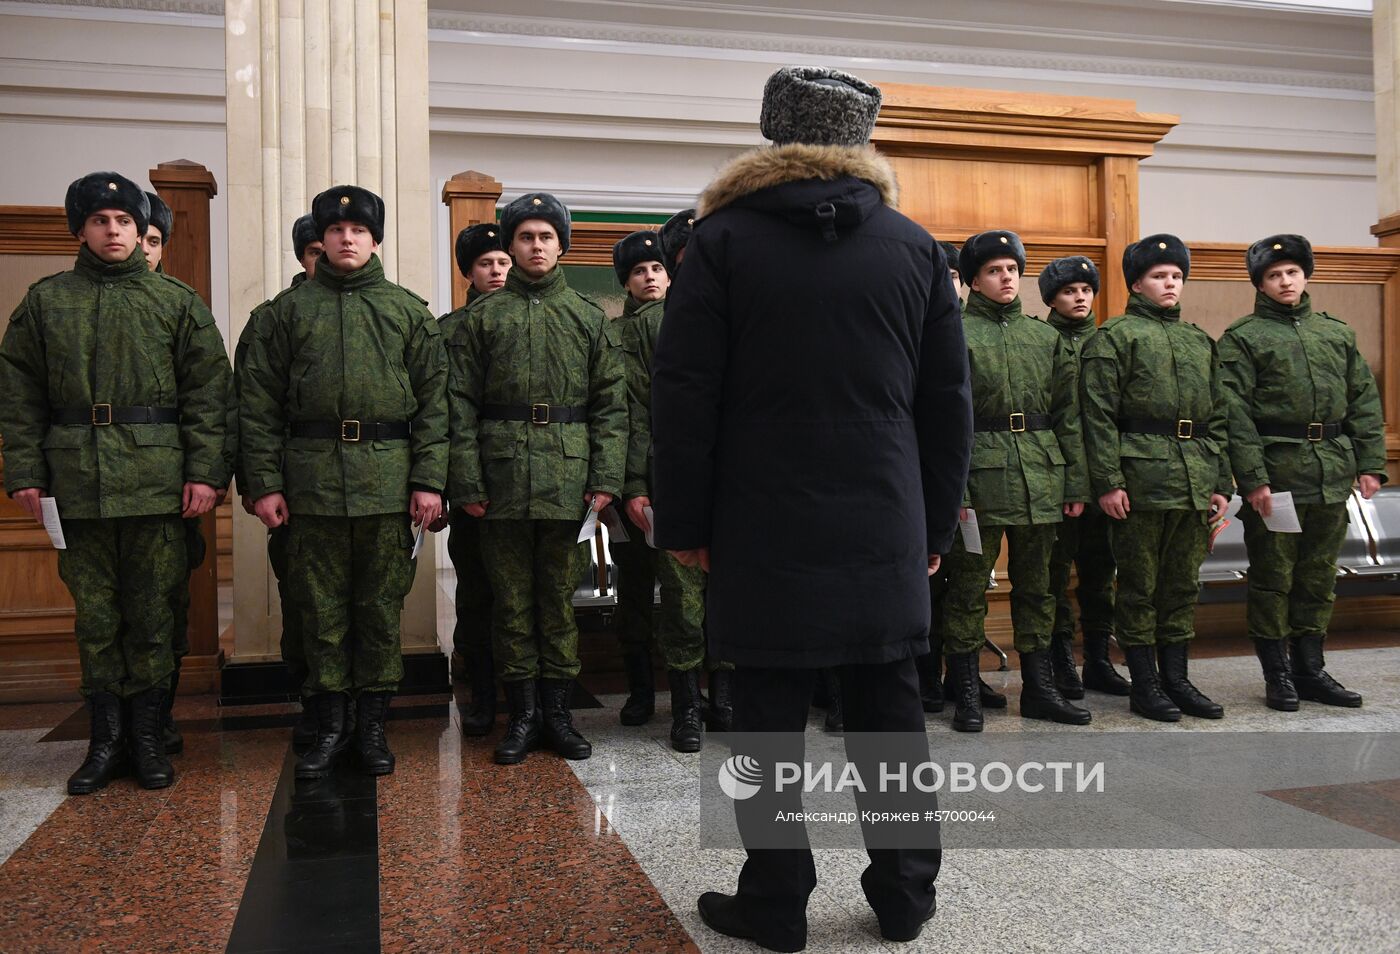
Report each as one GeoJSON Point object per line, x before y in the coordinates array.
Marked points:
{"type": "Point", "coordinates": [369, 273]}
{"type": "Point", "coordinates": [980, 306]}
{"type": "Point", "coordinates": [1143, 307]}
{"type": "Point", "coordinates": [1071, 325]}
{"type": "Point", "coordinates": [1266, 307]}
{"type": "Point", "coordinates": [552, 284]}
{"type": "Point", "coordinates": [770, 166]}
{"type": "Point", "coordinates": [93, 268]}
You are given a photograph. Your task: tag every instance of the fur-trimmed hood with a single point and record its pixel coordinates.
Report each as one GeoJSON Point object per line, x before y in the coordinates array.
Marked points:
{"type": "Point", "coordinates": [770, 166]}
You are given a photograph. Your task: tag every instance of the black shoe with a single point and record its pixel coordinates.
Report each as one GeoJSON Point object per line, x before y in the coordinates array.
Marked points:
{"type": "Point", "coordinates": [480, 717]}
{"type": "Point", "coordinates": [720, 715]}
{"type": "Point", "coordinates": [332, 734]}
{"type": "Point", "coordinates": [173, 741]}
{"type": "Point", "coordinates": [1171, 657]}
{"type": "Point", "coordinates": [304, 731]}
{"type": "Point", "coordinates": [370, 744]}
{"type": "Point", "coordinates": [1063, 667]}
{"type": "Point", "coordinates": [641, 689]}
{"type": "Point", "coordinates": [835, 716]}
{"type": "Point", "coordinates": [558, 730]}
{"type": "Point", "coordinates": [987, 697]}
{"type": "Point", "coordinates": [1312, 680]}
{"type": "Point", "coordinates": [720, 912]}
{"type": "Point", "coordinates": [1146, 697]}
{"type": "Point", "coordinates": [1041, 697]}
{"type": "Point", "coordinates": [930, 681]}
{"type": "Point", "coordinates": [153, 769]}
{"type": "Point", "coordinates": [687, 724]}
{"type": "Point", "coordinates": [963, 687]}
{"type": "Point", "coordinates": [523, 725]}
{"type": "Point", "coordinates": [106, 755]}
{"type": "Point", "coordinates": [1099, 674]}
{"type": "Point", "coordinates": [1279, 692]}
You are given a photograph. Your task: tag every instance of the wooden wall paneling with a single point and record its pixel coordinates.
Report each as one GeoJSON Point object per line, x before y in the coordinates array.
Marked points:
{"type": "Point", "coordinates": [471, 199]}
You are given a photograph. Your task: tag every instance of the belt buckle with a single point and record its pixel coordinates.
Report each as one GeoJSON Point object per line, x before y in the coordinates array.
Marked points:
{"type": "Point", "coordinates": [539, 413]}
{"type": "Point", "coordinates": [97, 411]}
{"type": "Point", "coordinates": [350, 431]}
{"type": "Point", "coordinates": [1012, 421]}
{"type": "Point", "coordinates": [1185, 430]}
{"type": "Point", "coordinates": [1315, 428]}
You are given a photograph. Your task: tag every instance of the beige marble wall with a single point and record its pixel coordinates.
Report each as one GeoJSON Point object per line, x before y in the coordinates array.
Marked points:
{"type": "Point", "coordinates": [1385, 32]}
{"type": "Point", "coordinates": [321, 92]}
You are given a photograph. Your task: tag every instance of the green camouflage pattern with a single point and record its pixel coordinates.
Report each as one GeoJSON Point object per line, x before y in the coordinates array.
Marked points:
{"type": "Point", "coordinates": [291, 645]}
{"type": "Point", "coordinates": [639, 326]}
{"type": "Point", "coordinates": [1075, 332]}
{"type": "Point", "coordinates": [1028, 566]}
{"type": "Point", "coordinates": [1293, 576]}
{"type": "Point", "coordinates": [680, 619]}
{"type": "Point", "coordinates": [344, 347]}
{"type": "Point", "coordinates": [1082, 542]}
{"type": "Point", "coordinates": [1159, 553]}
{"type": "Point", "coordinates": [471, 634]}
{"type": "Point", "coordinates": [121, 335]}
{"type": "Point", "coordinates": [1292, 365]}
{"type": "Point", "coordinates": [194, 555]}
{"type": "Point", "coordinates": [240, 352]}
{"type": "Point", "coordinates": [1022, 365]}
{"type": "Point", "coordinates": [536, 343]}
{"type": "Point", "coordinates": [534, 566]}
{"type": "Point", "coordinates": [1148, 363]}
{"type": "Point", "coordinates": [347, 578]}
{"type": "Point", "coordinates": [125, 575]}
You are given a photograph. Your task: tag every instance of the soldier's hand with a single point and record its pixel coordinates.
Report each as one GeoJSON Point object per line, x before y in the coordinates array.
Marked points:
{"type": "Point", "coordinates": [272, 510]}
{"type": "Point", "coordinates": [934, 562]}
{"type": "Point", "coordinates": [198, 499]}
{"type": "Point", "coordinates": [637, 514]}
{"type": "Point", "coordinates": [1370, 483]}
{"type": "Point", "coordinates": [1219, 503]}
{"type": "Point", "coordinates": [29, 500]}
{"type": "Point", "coordinates": [700, 557]}
{"type": "Point", "coordinates": [477, 510]}
{"type": "Point", "coordinates": [424, 507]}
{"type": "Point", "coordinates": [248, 505]}
{"type": "Point", "coordinates": [1074, 510]}
{"type": "Point", "coordinates": [962, 515]}
{"type": "Point", "coordinates": [438, 525]}
{"type": "Point", "coordinates": [1261, 498]}
{"type": "Point", "coordinates": [1115, 504]}
{"type": "Point", "coordinates": [598, 499]}
{"type": "Point", "coordinates": [220, 496]}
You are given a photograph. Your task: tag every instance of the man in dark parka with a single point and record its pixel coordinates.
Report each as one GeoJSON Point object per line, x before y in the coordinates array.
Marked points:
{"type": "Point", "coordinates": [812, 427]}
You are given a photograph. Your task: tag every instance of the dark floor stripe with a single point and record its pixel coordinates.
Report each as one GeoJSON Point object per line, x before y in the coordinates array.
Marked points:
{"type": "Point", "coordinates": [314, 884]}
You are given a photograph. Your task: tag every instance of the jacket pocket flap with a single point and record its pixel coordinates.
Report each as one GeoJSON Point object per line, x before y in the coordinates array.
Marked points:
{"type": "Point", "coordinates": [988, 457]}
{"type": "Point", "coordinates": [1144, 446]}
{"type": "Point", "coordinates": [575, 440]}
{"type": "Point", "coordinates": [156, 435]}
{"type": "Point", "coordinates": [67, 436]}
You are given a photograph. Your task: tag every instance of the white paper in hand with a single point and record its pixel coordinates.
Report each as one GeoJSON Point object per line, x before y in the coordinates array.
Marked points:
{"type": "Point", "coordinates": [1284, 518]}
{"type": "Point", "coordinates": [651, 526]}
{"type": "Point", "coordinates": [971, 536]}
{"type": "Point", "coordinates": [48, 506]}
{"type": "Point", "coordinates": [617, 532]}
{"type": "Point", "coordinates": [589, 530]}
{"type": "Point", "coordinates": [418, 536]}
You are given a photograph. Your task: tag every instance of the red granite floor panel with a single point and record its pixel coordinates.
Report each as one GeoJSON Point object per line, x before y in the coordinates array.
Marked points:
{"type": "Point", "coordinates": [1370, 806]}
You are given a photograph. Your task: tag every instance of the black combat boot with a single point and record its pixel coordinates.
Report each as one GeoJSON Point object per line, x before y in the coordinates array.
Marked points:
{"type": "Point", "coordinates": [1041, 697]}
{"type": "Point", "coordinates": [641, 689]}
{"type": "Point", "coordinates": [153, 769]}
{"type": "Point", "coordinates": [1312, 680]}
{"type": "Point", "coordinates": [987, 696]}
{"type": "Point", "coordinates": [480, 717]}
{"type": "Point", "coordinates": [1171, 657]}
{"type": "Point", "coordinates": [835, 716]}
{"type": "Point", "coordinates": [106, 755]}
{"type": "Point", "coordinates": [963, 687]}
{"type": "Point", "coordinates": [522, 725]}
{"type": "Point", "coordinates": [1099, 674]}
{"type": "Point", "coordinates": [1279, 692]}
{"type": "Point", "coordinates": [173, 741]}
{"type": "Point", "coordinates": [720, 715]}
{"type": "Point", "coordinates": [687, 724]}
{"type": "Point", "coordinates": [304, 730]}
{"type": "Point", "coordinates": [930, 680]}
{"type": "Point", "coordinates": [370, 744]}
{"type": "Point", "coordinates": [1062, 665]}
{"type": "Point", "coordinates": [1145, 695]}
{"type": "Point", "coordinates": [332, 734]}
{"type": "Point", "coordinates": [558, 730]}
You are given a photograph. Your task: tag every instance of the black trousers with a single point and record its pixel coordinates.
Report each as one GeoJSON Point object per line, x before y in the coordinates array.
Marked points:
{"type": "Point", "coordinates": [775, 883]}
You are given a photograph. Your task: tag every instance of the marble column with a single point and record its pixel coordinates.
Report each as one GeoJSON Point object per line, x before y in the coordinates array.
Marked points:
{"type": "Point", "coordinates": [321, 93]}
{"type": "Point", "coordinates": [1385, 32]}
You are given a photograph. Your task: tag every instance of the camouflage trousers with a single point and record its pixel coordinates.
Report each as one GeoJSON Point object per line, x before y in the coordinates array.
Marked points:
{"type": "Point", "coordinates": [534, 568]}
{"type": "Point", "coordinates": [1028, 565]}
{"type": "Point", "coordinates": [471, 635]}
{"type": "Point", "coordinates": [195, 552]}
{"type": "Point", "coordinates": [125, 575]}
{"type": "Point", "coordinates": [292, 647]}
{"type": "Point", "coordinates": [347, 578]}
{"type": "Point", "coordinates": [677, 626]}
{"type": "Point", "coordinates": [1083, 542]}
{"type": "Point", "coordinates": [1293, 576]}
{"type": "Point", "coordinates": [1159, 553]}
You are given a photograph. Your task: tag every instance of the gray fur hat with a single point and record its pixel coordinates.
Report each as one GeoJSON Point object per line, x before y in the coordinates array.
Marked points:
{"type": "Point", "coordinates": [950, 252]}
{"type": "Point", "coordinates": [675, 233]}
{"type": "Point", "coordinates": [632, 250]}
{"type": "Point", "coordinates": [1067, 271]}
{"type": "Point", "coordinates": [537, 205]}
{"type": "Point", "coordinates": [105, 190]}
{"type": "Point", "coordinates": [475, 241]}
{"type": "Point", "coordinates": [1278, 248]}
{"type": "Point", "coordinates": [161, 217]}
{"type": "Point", "coordinates": [819, 107]}
{"type": "Point", "coordinates": [1160, 249]}
{"type": "Point", "coordinates": [347, 203]}
{"type": "Point", "coordinates": [986, 246]}
{"type": "Point", "coordinates": [303, 234]}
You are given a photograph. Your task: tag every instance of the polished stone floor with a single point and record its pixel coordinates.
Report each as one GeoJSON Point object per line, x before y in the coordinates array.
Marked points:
{"type": "Point", "coordinates": [452, 853]}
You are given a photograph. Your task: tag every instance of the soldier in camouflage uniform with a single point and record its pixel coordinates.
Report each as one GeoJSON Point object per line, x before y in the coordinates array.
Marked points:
{"type": "Point", "coordinates": [1155, 433]}
{"type": "Point", "coordinates": [1027, 475]}
{"type": "Point", "coordinates": [1305, 417]}
{"type": "Point", "coordinates": [1068, 286]}
{"type": "Point", "coordinates": [113, 385]}
{"type": "Point", "coordinates": [483, 262]}
{"type": "Point", "coordinates": [539, 424]}
{"type": "Point", "coordinates": [343, 423]}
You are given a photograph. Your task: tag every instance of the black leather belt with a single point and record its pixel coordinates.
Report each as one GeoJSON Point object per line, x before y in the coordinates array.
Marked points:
{"type": "Point", "coordinates": [353, 431]}
{"type": "Point", "coordinates": [1015, 422]}
{"type": "Point", "coordinates": [1182, 429]}
{"type": "Point", "coordinates": [1312, 432]}
{"type": "Point", "coordinates": [535, 413]}
{"type": "Point", "coordinates": [100, 415]}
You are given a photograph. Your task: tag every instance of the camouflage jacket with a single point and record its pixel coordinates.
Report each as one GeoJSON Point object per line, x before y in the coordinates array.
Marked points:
{"type": "Point", "coordinates": [1075, 331]}
{"type": "Point", "coordinates": [641, 322]}
{"type": "Point", "coordinates": [1150, 364]}
{"type": "Point", "coordinates": [240, 350]}
{"type": "Point", "coordinates": [1297, 366]}
{"type": "Point", "coordinates": [125, 336]}
{"type": "Point", "coordinates": [536, 343]}
{"type": "Point", "coordinates": [343, 347]}
{"type": "Point", "coordinates": [1021, 365]}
